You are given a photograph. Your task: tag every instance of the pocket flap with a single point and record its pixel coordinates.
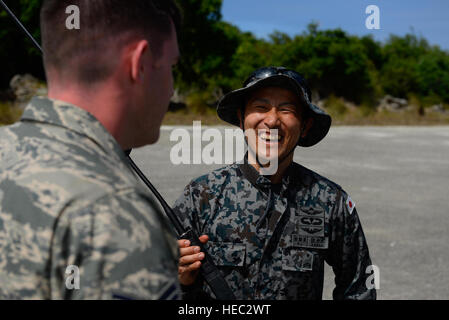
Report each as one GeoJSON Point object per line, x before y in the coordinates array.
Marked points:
{"type": "Point", "coordinates": [294, 259]}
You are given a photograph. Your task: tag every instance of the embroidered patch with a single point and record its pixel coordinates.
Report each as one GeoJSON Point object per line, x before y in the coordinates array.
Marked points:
{"type": "Point", "coordinates": [303, 241]}
{"type": "Point", "coordinates": [310, 211]}
{"type": "Point", "coordinates": [350, 204]}
{"type": "Point", "coordinates": [310, 222]}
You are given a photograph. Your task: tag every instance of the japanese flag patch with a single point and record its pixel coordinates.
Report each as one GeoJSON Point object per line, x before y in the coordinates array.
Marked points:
{"type": "Point", "coordinates": [350, 204]}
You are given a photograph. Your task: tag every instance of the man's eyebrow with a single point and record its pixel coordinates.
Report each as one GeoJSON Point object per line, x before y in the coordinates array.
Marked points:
{"type": "Point", "coordinates": [287, 103]}
{"type": "Point", "coordinates": [261, 100]}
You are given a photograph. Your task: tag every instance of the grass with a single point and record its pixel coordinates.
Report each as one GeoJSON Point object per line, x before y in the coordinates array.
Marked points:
{"type": "Point", "coordinates": [347, 114]}
{"type": "Point", "coordinates": [186, 118]}
{"type": "Point", "coordinates": [341, 115]}
{"type": "Point", "coordinates": [385, 118]}
{"type": "Point", "coordinates": [9, 113]}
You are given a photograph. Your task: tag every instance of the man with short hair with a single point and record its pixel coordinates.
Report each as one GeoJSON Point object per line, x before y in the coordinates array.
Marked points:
{"type": "Point", "coordinates": [270, 233]}
{"type": "Point", "coordinates": [75, 221]}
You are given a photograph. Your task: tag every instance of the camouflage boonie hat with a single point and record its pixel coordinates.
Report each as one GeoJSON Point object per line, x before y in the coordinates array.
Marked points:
{"type": "Point", "coordinates": [277, 77]}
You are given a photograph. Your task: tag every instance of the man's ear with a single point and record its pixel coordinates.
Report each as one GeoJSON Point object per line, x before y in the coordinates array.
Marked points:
{"type": "Point", "coordinates": [139, 54]}
{"type": "Point", "coordinates": [308, 124]}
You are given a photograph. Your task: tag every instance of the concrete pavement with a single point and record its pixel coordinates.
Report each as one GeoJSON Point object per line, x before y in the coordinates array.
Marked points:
{"type": "Point", "coordinates": [399, 179]}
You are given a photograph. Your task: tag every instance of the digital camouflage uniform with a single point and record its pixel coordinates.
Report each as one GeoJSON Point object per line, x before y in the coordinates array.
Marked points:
{"type": "Point", "coordinates": [271, 241]}
{"type": "Point", "coordinates": [68, 197]}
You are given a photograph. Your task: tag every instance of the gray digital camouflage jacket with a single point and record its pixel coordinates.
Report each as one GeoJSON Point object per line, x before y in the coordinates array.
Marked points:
{"type": "Point", "coordinates": [271, 241]}
{"type": "Point", "coordinates": [70, 205]}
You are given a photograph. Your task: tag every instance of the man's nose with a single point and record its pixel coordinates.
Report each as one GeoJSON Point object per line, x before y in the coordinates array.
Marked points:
{"type": "Point", "coordinates": [271, 119]}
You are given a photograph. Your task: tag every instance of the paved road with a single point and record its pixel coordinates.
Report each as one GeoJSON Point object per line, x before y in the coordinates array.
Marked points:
{"type": "Point", "coordinates": [399, 179]}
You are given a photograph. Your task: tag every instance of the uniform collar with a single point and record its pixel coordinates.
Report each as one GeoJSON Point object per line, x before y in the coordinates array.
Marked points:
{"type": "Point", "coordinates": [71, 117]}
{"type": "Point", "coordinates": [292, 176]}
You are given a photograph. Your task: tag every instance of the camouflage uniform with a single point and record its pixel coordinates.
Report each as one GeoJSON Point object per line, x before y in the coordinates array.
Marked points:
{"type": "Point", "coordinates": [271, 241]}
{"type": "Point", "coordinates": [69, 197]}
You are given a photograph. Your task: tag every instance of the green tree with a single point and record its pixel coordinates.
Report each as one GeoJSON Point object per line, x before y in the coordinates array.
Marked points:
{"type": "Point", "coordinates": [251, 54]}
{"type": "Point", "coordinates": [332, 61]}
{"type": "Point", "coordinates": [398, 73]}
{"type": "Point", "coordinates": [433, 75]}
{"type": "Point", "coordinates": [216, 57]}
{"type": "Point", "coordinates": [207, 45]}
{"type": "Point", "coordinates": [17, 53]}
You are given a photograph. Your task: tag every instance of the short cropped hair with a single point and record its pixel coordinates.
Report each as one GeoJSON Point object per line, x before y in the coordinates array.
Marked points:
{"type": "Point", "coordinates": [87, 53]}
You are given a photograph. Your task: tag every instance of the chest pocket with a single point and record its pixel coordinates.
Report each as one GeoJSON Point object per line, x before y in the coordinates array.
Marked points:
{"type": "Point", "coordinates": [227, 254]}
{"type": "Point", "coordinates": [308, 228]}
{"type": "Point", "coordinates": [295, 259]}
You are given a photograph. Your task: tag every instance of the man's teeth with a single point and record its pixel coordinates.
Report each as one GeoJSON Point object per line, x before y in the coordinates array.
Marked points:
{"type": "Point", "coordinates": [270, 136]}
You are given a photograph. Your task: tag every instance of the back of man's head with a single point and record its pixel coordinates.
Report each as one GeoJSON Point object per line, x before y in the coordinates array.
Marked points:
{"type": "Point", "coordinates": [89, 54]}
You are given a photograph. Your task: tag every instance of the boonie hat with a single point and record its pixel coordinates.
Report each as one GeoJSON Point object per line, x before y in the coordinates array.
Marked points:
{"type": "Point", "coordinates": [277, 77]}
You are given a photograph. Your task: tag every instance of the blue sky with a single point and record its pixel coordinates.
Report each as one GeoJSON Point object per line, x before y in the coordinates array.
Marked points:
{"type": "Point", "coordinates": [427, 18]}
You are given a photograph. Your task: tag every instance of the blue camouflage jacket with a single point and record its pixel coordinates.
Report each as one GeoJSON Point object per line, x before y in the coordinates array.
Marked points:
{"type": "Point", "coordinates": [271, 241]}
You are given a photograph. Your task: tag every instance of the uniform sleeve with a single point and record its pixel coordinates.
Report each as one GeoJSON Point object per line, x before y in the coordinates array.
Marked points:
{"type": "Point", "coordinates": [193, 206]}
{"type": "Point", "coordinates": [188, 214]}
{"type": "Point", "coordinates": [118, 247]}
{"type": "Point", "coordinates": [184, 207]}
{"type": "Point", "coordinates": [348, 253]}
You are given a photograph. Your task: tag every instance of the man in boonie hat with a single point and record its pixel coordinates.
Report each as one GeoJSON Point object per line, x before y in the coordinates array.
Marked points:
{"type": "Point", "coordinates": [270, 232]}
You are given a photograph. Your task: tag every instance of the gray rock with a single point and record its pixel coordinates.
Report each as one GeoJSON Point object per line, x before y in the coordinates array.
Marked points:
{"type": "Point", "coordinates": [394, 104]}
{"type": "Point", "coordinates": [439, 108]}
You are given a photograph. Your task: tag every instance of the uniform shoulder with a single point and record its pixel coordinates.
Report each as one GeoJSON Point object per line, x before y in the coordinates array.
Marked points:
{"type": "Point", "coordinates": [61, 160]}
{"type": "Point", "coordinates": [129, 210]}
{"type": "Point", "coordinates": [216, 177]}
{"type": "Point", "coordinates": [312, 178]}
{"type": "Point", "coordinates": [126, 199]}
{"type": "Point", "coordinates": [323, 190]}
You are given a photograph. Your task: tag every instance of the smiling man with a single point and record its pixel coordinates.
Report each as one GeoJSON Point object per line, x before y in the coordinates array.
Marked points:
{"type": "Point", "coordinates": [272, 123]}
{"type": "Point", "coordinates": [271, 234]}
